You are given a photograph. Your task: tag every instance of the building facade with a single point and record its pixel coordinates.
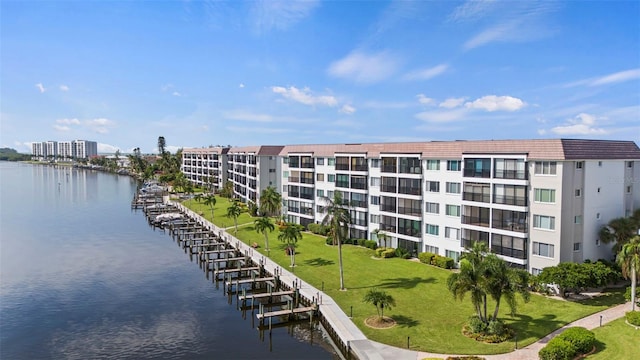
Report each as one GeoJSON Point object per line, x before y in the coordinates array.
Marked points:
{"type": "Point", "coordinates": [64, 150]}
{"type": "Point", "coordinates": [205, 166]}
{"type": "Point", "coordinates": [535, 203]}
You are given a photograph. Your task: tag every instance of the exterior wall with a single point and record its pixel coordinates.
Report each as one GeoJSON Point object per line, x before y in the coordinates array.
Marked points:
{"type": "Point", "coordinates": [204, 166]}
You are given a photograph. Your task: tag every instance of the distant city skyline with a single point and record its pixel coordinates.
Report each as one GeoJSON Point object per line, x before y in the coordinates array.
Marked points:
{"type": "Point", "coordinates": [306, 72]}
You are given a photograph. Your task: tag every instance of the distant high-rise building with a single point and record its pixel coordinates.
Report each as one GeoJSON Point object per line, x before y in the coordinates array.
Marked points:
{"type": "Point", "coordinates": [64, 150]}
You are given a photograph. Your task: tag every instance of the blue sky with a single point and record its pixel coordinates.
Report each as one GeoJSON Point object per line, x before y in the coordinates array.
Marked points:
{"type": "Point", "coordinates": [204, 73]}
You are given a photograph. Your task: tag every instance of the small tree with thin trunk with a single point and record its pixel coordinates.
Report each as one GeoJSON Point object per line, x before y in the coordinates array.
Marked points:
{"type": "Point", "coordinates": [263, 225]}
{"type": "Point", "coordinates": [290, 235]}
{"type": "Point", "coordinates": [210, 201]}
{"type": "Point", "coordinates": [380, 300]}
{"type": "Point", "coordinates": [233, 212]}
{"type": "Point", "coordinates": [629, 260]}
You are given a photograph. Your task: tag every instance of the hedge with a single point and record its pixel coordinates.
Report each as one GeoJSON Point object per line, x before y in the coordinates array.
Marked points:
{"type": "Point", "coordinates": [581, 339]}
{"type": "Point", "coordinates": [633, 317]}
{"type": "Point", "coordinates": [426, 257]}
{"type": "Point", "coordinates": [571, 342]}
{"type": "Point", "coordinates": [557, 349]}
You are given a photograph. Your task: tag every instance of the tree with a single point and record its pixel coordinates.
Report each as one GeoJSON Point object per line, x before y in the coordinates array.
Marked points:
{"type": "Point", "coordinates": [381, 235]}
{"type": "Point", "coordinates": [262, 225]}
{"type": "Point", "coordinates": [573, 277]}
{"type": "Point", "coordinates": [270, 201]}
{"type": "Point", "coordinates": [290, 235]}
{"type": "Point", "coordinates": [380, 300]}
{"type": "Point", "coordinates": [161, 145]}
{"type": "Point", "coordinates": [468, 280]}
{"type": "Point", "coordinates": [233, 212]}
{"type": "Point", "coordinates": [227, 190]}
{"type": "Point", "coordinates": [620, 230]}
{"type": "Point", "coordinates": [210, 200]}
{"type": "Point", "coordinates": [338, 220]}
{"type": "Point", "coordinates": [502, 281]}
{"type": "Point", "coordinates": [629, 260]}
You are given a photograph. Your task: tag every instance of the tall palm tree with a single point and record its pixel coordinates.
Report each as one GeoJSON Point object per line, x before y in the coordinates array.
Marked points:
{"type": "Point", "coordinates": [290, 235]}
{"type": "Point", "coordinates": [262, 225]}
{"type": "Point", "coordinates": [629, 260]}
{"type": "Point", "coordinates": [338, 220]}
{"type": "Point", "coordinates": [470, 279]}
{"type": "Point", "coordinates": [502, 281]}
{"type": "Point", "coordinates": [210, 200]}
{"type": "Point", "coordinates": [380, 300]}
{"type": "Point", "coordinates": [233, 212]}
{"type": "Point", "coordinates": [270, 202]}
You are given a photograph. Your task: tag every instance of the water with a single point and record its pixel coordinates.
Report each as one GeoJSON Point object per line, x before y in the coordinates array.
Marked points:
{"type": "Point", "coordinates": [84, 277]}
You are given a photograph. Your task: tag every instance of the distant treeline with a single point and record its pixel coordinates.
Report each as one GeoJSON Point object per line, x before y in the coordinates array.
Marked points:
{"type": "Point", "coordinates": [8, 154]}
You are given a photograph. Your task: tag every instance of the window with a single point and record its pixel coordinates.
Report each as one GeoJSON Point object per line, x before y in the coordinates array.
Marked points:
{"type": "Point", "coordinates": [629, 189]}
{"type": "Point", "coordinates": [284, 188]}
{"type": "Point", "coordinates": [330, 194]}
{"type": "Point", "coordinates": [320, 161]}
{"type": "Point", "coordinates": [375, 181]}
{"type": "Point", "coordinates": [535, 271]}
{"type": "Point", "coordinates": [576, 246]}
{"type": "Point", "coordinates": [452, 254]}
{"type": "Point", "coordinates": [630, 164]}
{"type": "Point", "coordinates": [320, 193]}
{"type": "Point", "coordinates": [454, 165]}
{"type": "Point", "coordinates": [332, 178]}
{"type": "Point", "coordinates": [578, 192]}
{"type": "Point", "coordinates": [598, 216]}
{"type": "Point", "coordinates": [544, 222]}
{"type": "Point", "coordinates": [453, 188]}
{"type": "Point", "coordinates": [577, 219]}
{"type": "Point", "coordinates": [320, 177]}
{"type": "Point", "coordinates": [452, 233]}
{"type": "Point", "coordinates": [433, 186]}
{"type": "Point", "coordinates": [579, 164]}
{"type": "Point", "coordinates": [320, 209]}
{"type": "Point", "coordinates": [598, 190]}
{"type": "Point", "coordinates": [542, 249]}
{"type": "Point", "coordinates": [272, 170]}
{"type": "Point", "coordinates": [285, 160]}
{"type": "Point", "coordinates": [375, 200]}
{"type": "Point", "coordinates": [432, 208]}
{"type": "Point", "coordinates": [375, 163]}
{"type": "Point", "coordinates": [331, 162]}
{"type": "Point", "coordinates": [545, 195]}
{"type": "Point", "coordinates": [453, 210]}
{"type": "Point", "coordinates": [597, 242]}
{"type": "Point", "coordinates": [600, 163]}
{"type": "Point", "coordinates": [375, 219]}
{"type": "Point", "coordinates": [433, 164]}
{"type": "Point", "coordinates": [431, 249]}
{"type": "Point", "coordinates": [545, 168]}
{"type": "Point", "coordinates": [433, 229]}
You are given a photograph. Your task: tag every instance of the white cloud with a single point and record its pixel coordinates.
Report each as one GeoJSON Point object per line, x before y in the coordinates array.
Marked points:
{"type": "Point", "coordinates": [500, 32]}
{"type": "Point", "coordinates": [40, 87]}
{"type": "Point", "coordinates": [280, 14]}
{"type": "Point", "coordinates": [241, 85]}
{"type": "Point", "coordinates": [364, 68]}
{"type": "Point", "coordinates": [374, 104]}
{"type": "Point", "coordinates": [244, 115]}
{"type": "Point", "coordinates": [347, 109]}
{"type": "Point", "coordinates": [443, 116]}
{"type": "Point", "coordinates": [422, 99]}
{"type": "Point", "coordinates": [107, 149]}
{"type": "Point", "coordinates": [99, 125]}
{"type": "Point", "coordinates": [175, 93]}
{"type": "Point", "coordinates": [617, 77]}
{"type": "Point", "coordinates": [304, 96]}
{"type": "Point", "coordinates": [582, 124]}
{"type": "Point", "coordinates": [64, 88]}
{"type": "Point", "coordinates": [68, 121]}
{"type": "Point", "coordinates": [166, 87]}
{"type": "Point", "coordinates": [61, 127]}
{"type": "Point", "coordinates": [472, 9]}
{"type": "Point", "coordinates": [495, 103]}
{"type": "Point", "coordinates": [451, 103]}
{"type": "Point", "coordinates": [426, 74]}
{"type": "Point", "coordinates": [253, 130]}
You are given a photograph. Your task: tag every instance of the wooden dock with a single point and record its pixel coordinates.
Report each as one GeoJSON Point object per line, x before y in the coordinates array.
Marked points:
{"type": "Point", "coordinates": [293, 311]}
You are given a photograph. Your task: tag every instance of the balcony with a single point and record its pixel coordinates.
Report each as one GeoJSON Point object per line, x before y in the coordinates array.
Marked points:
{"type": "Point", "coordinates": [307, 164]}
{"type": "Point", "coordinates": [388, 188]}
{"type": "Point", "coordinates": [519, 225]}
{"type": "Point", "coordinates": [410, 190]}
{"type": "Point", "coordinates": [358, 185]}
{"type": "Point", "coordinates": [388, 228]}
{"type": "Point", "coordinates": [389, 169]}
{"type": "Point", "coordinates": [388, 207]}
{"type": "Point", "coordinates": [359, 167]}
{"type": "Point", "coordinates": [305, 180]}
{"type": "Point", "coordinates": [308, 196]}
{"type": "Point", "coordinates": [479, 173]}
{"type": "Point", "coordinates": [342, 184]}
{"type": "Point", "coordinates": [511, 174]}
{"type": "Point", "coordinates": [409, 211]}
{"type": "Point", "coordinates": [510, 200]}
{"type": "Point", "coordinates": [475, 220]}
{"type": "Point", "coordinates": [506, 251]}
{"type": "Point", "coordinates": [479, 197]}
{"type": "Point", "coordinates": [358, 203]}
{"type": "Point", "coordinates": [359, 222]}
{"type": "Point", "coordinates": [468, 243]}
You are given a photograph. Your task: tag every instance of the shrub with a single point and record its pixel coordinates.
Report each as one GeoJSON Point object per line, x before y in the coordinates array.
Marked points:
{"type": "Point", "coordinates": [466, 357]}
{"type": "Point", "coordinates": [627, 294]}
{"type": "Point", "coordinates": [379, 251]}
{"type": "Point", "coordinates": [361, 242]}
{"type": "Point", "coordinates": [426, 257]}
{"type": "Point", "coordinates": [557, 349]}
{"type": "Point", "coordinates": [633, 317]}
{"type": "Point", "coordinates": [443, 262]}
{"type": "Point", "coordinates": [476, 325]}
{"type": "Point", "coordinates": [371, 244]}
{"type": "Point", "coordinates": [496, 328]}
{"type": "Point", "coordinates": [329, 241]}
{"type": "Point", "coordinates": [313, 227]}
{"type": "Point", "coordinates": [402, 253]}
{"type": "Point", "coordinates": [389, 253]}
{"type": "Point", "coordinates": [580, 338]}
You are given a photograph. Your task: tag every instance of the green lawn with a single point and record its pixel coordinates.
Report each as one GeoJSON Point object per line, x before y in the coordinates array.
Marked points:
{"type": "Point", "coordinates": [616, 340]}
{"type": "Point", "coordinates": [426, 311]}
{"type": "Point", "coordinates": [220, 218]}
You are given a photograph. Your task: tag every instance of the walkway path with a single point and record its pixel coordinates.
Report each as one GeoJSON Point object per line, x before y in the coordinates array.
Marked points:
{"type": "Point", "coordinates": [366, 349]}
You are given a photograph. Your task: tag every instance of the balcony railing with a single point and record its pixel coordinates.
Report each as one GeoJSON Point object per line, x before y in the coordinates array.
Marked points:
{"type": "Point", "coordinates": [358, 203]}
{"type": "Point", "coordinates": [342, 184]}
{"type": "Point", "coordinates": [510, 200]}
{"type": "Point", "coordinates": [519, 225]}
{"type": "Point", "coordinates": [468, 243]}
{"type": "Point", "coordinates": [475, 220]}
{"type": "Point", "coordinates": [506, 251]}
{"type": "Point", "coordinates": [359, 185]}
{"type": "Point", "coordinates": [388, 228]}
{"type": "Point", "coordinates": [308, 196]}
{"type": "Point", "coordinates": [388, 188]}
{"type": "Point", "coordinates": [482, 173]}
{"type": "Point", "coordinates": [305, 180]}
{"type": "Point", "coordinates": [359, 222]}
{"type": "Point", "coordinates": [307, 165]}
{"type": "Point", "coordinates": [409, 231]}
{"type": "Point", "coordinates": [342, 167]}
{"type": "Point", "coordinates": [409, 190]}
{"type": "Point", "coordinates": [389, 169]}
{"type": "Point", "coordinates": [388, 208]}
{"type": "Point", "coordinates": [511, 174]}
{"type": "Point", "coordinates": [409, 211]}
{"type": "Point", "coordinates": [360, 167]}
{"type": "Point", "coordinates": [471, 196]}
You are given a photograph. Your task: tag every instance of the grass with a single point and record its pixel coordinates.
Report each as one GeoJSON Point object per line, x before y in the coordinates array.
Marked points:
{"type": "Point", "coordinates": [220, 218]}
{"type": "Point", "coordinates": [616, 340]}
{"type": "Point", "coordinates": [426, 312]}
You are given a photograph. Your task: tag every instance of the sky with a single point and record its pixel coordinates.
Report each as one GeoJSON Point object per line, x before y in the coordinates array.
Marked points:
{"type": "Point", "coordinates": [238, 73]}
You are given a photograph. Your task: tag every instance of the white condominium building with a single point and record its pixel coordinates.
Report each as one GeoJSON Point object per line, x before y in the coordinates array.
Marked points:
{"type": "Point", "coordinates": [84, 149]}
{"type": "Point", "coordinates": [63, 150]}
{"type": "Point", "coordinates": [535, 203]}
{"type": "Point", "coordinates": [205, 166]}
{"type": "Point", "coordinates": [252, 169]}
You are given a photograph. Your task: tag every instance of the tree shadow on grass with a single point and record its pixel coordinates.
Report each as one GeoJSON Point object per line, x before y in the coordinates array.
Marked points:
{"type": "Point", "coordinates": [405, 283]}
{"type": "Point", "coordinates": [319, 262]}
{"type": "Point", "coordinates": [539, 328]}
{"type": "Point", "coordinates": [404, 321]}
{"type": "Point", "coordinates": [608, 298]}
{"type": "Point", "coordinates": [600, 346]}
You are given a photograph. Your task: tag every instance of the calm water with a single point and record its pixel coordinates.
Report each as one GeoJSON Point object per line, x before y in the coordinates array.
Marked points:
{"type": "Point", "coordinates": [84, 277]}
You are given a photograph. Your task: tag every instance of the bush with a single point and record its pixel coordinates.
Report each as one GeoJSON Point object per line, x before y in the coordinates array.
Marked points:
{"type": "Point", "coordinates": [466, 357]}
{"type": "Point", "coordinates": [557, 349]}
{"type": "Point", "coordinates": [318, 229]}
{"type": "Point", "coordinates": [361, 242]}
{"type": "Point", "coordinates": [581, 339]}
{"type": "Point", "coordinates": [426, 257]}
{"type": "Point", "coordinates": [389, 253]}
{"type": "Point", "coordinates": [402, 253]}
{"type": "Point", "coordinates": [633, 317]}
{"type": "Point", "coordinates": [445, 262]}
{"type": "Point", "coordinates": [496, 328]}
{"type": "Point", "coordinates": [379, 251]}
{"type": "Point", "coordinates": [476, 325]}
{"type": "Point", "coordinates": [627, 294]}
{"type": "Point", "coordinates": [329, 241]}
{"type": "Point", "coordinates": [371, 244]}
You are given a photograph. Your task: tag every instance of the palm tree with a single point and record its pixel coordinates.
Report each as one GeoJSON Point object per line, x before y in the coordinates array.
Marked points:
{"type": "Point", "coordinates": [210, 200]}
{"type": "Point", "coordinates": [270, 201]}
{"type": "Point", "coordinates": [620, 230]}
{"type": "Point", "coordinates": [380, 300]}
{"type": "Point", "coordinates": [234, 211]}
{"type": "Point", "coordinates": [290, 235]}
{"type": "Point", "coordinates": [502, 281]}
{"type": "Point", "coordinates": [262, 225]}
{"type": "Point", "coordinates": [381, 235]}
{"type": "Point", "coordinates": [470, 279]}
{"type": "Point", "coordinates": [338, 220]}
{"type": "Point", "coordinates": [629, 260]}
